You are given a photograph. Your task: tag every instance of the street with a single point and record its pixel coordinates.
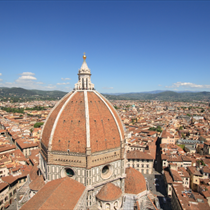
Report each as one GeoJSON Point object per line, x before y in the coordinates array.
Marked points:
{"type": "Point", "coordinates": [156, 182]}
{"type": "Point", "coordinates": [157, 187]}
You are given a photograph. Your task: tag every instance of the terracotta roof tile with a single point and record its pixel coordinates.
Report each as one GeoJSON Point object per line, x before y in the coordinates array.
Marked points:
{"type": "Point", "coordinates": [136, 154]}
{"type": "Point", "coordinates": [24, 144]}
{"type": "Point", "coordinates": [116, 116]}
{"type": "Point", "coordinates": [103, 129]}
{"type": "Point", "coordinates": [50, 121]}
{"type": "Point", "coordinates": [3, 185]}
{"type": "Point", "coordinates": [9, 179]}
{"type": "Point", "coordinates": [109, 192]}
{"type": "Point", "coordinates": [7, 148]}
{"type": "Point", "coordinates": [70, 130]}
{"type": "Point", "coordinates": [168, 177]}
{"type": "Point", "coordinates": [176, 176]}
{"type": "Point", "coordinates": [58, 194]}
{"type": "Point", "coordinates": [33, 173]}
{"type": "Point", "coordinates": [134, 182]}
{"type": "Point", "coordinates": [37, 183]}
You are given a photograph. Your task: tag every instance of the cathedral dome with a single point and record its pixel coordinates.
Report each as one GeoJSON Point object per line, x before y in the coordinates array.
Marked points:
{"type": "Point", "coordinates": [134, 182]}
{"type": "Point", "coordinates": [109, 192]}
{"type": "Point", "coordinates": [82, 121]}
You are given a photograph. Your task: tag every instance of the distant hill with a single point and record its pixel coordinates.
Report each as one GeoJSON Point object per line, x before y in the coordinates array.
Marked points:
{"type": "Point", "coordinates": [163, 96]}
{"type": "Point", "coordinates": [149, 92]}
{"type": "Point", "coordinates": [20, 94]}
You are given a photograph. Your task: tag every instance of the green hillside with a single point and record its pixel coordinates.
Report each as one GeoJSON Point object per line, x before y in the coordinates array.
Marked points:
{"type": "Point", "coordinates": [163, 96]}
{"type": "Point", "coordinates": [21, 94]}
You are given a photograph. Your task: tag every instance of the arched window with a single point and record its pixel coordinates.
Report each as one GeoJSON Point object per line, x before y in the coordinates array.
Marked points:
{"type": "Point", "coordinates": [108, 206]}
{"type": "Point", "coordinates": [115, 204]}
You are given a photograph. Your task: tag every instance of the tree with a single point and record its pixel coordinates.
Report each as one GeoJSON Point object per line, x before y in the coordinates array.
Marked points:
{"type": "Point", "coordinates": [181, 145]}
{"type": "Point", "coordinates": [159, 129]}
{"type": "Point", "coordinates": [202, 163]}
{"type": "Point", "coordinates": [183, 136]}
{"type": "Point", "coordinates": [38, 108]}
{"type": "Point", "coordinates": [13, 110]}
{"type": "Point", "coordinates": [38, 124]}
{"type": "Point", "coordinates": [116, 107]}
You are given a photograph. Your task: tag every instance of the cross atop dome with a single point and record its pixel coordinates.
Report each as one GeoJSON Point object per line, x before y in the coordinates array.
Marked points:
{"type": "Point", "coordinates": [84, 74]}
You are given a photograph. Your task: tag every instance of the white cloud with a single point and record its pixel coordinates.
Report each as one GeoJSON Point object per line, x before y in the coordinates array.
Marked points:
{"type": "Point", "coordinates": [188, 85]}
{"type": "Point", "coordinates": [27, 74]}
{"type": "Point", "coordinates": [0, 74]}
{"type": "Point", "coordinates": [63, 83]}
{"type": "Point", "coordinates": [26, 77]}
{"type": "Point", "coordinates": [159, 85]}
{"type": "Point", "coordinates": [107, 87]}
{"type": "Point", "coordinates": [64, 79]}
{"type": "Point", "coordinates": [28, 80]}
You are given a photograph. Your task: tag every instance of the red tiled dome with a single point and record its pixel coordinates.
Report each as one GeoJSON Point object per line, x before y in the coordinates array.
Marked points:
{"type": "Point", "coordinates": [82, 119]}
{"type": "Point", "coordinates": [134, 182]}
{"type": "Point", "coordinates": [109, 192]}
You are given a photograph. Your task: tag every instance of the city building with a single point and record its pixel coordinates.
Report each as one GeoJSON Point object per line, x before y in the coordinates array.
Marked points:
{"type": "Point", "coordinates": [184, 199]}
{"type": "Point", "coordinates": [141, 161]}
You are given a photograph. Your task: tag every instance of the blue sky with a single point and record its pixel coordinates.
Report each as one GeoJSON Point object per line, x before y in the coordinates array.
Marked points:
{"type": "Point", "coordinates": [131, 46]}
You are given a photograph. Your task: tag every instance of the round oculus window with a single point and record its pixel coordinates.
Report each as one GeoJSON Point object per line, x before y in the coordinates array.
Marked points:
{"type": "Point", "coordinates": [69, 172]}
{"type": "Point", "coordinates": [106, 172]}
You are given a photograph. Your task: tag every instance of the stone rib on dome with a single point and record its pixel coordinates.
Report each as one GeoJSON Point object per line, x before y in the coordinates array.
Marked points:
{"type": "Point", "coordinates": [70, 131]}
{"type": "Point", "coordinates": [109, 192]}
{"type": "Point", "coordinates": [51, 119]}
{"type": "Point", "coordinates": [116, 116]}
{"type": "Point", "coordinates": [103, 128]}
{"type": "Point", "coordinates": [66, 126]}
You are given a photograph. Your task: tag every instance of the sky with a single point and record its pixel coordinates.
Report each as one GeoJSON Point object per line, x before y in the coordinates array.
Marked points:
{"type": "Point", "coordinates": [131, 46]}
